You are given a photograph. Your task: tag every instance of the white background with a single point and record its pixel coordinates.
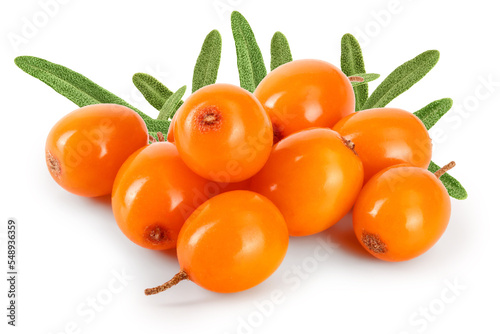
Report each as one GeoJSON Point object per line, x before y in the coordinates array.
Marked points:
{"type": "Point", "coordinates": [70, 248]}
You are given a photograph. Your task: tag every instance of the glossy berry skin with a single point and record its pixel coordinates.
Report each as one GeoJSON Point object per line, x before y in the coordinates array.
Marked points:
{"type": "Point", "coordinates": [303, 94]}
{"type": "Point", "coordinates": [313, 178]}
{"type": "Point", "coordinates": [223, 133]}
{"type": "Point", "coordinates": [85, 149]}
{"type": "Point", "coordinates": [385, 137]}
{"type": "Point", "coordinates": [170, 133]}
{"type": "Point", "coordinates": [232, 242]}
{"type": "Point", "coordinates": [401, 213]}
{"type": "Point", "coordinates": [154, 193]}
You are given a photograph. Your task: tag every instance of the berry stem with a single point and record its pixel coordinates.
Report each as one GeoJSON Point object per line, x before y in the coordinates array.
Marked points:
{"type": "Point", "coordinates": [356, 79]}
{"type": "Point", "coordinates": [180, 276]}
{"type": "Point", "coordinates": [445, 169]}
{"type": "Point", "coordinates": [349, 144]}
{"type": "Point", "coordinates": [161, 138]}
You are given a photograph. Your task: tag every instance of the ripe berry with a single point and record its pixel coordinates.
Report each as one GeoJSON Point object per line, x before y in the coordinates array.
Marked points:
{"type": "Point", "coordinates": [385, 137]}
{"type": "Point", "coordinates": [231, 243]}
{"type": "Point", "coordinates": [313, 177]}
{"type": "Point", "coordinates": [401, 212]}
{"type": "Point", "coordinates": [303, 94]}
{"type": "Point", "coordinates": [223, 133]}
{"type": "Point", "coordinates": [154, 193]}
{"type": "Point", "coordinates": [85, 149]}
{"type": "Point", "coordinates": [170, 133]}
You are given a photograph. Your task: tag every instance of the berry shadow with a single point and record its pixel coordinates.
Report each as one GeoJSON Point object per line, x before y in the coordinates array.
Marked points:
{"type": "Point", "coordinates": [168, 253]}
{"type": "Point", "coordinates": [343, 235]}
{"type": "Point", "coordinates": [187, 294]}
{"type": "Point", "coordinates": [104, 201]}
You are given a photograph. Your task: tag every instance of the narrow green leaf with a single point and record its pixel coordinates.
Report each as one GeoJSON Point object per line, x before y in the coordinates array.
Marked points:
{"type": "Point", "coordinates": [455, 189]}
{"type": "Point", "coordinates": [207, 64]}
{"type": "Point", "coordinates": [152, 89]}
{"type": "Point", "coordinates": [351, 62]}
{"type": "Point", "coordinates": [155, 125]}
{"type": "Point", "coordinates": [251, 65]}
{"type": "Point", "coordinates": [280, 50]}
{"type": "Point", "coordinates": [351, 58]}
{"type": "Point", "coordinates": [74, 86]}
{"type": "Point", "coordinates": [77, 88]}
{"type": "Point", "coordinates": [366, 77]}
{"type": "Point", "coordinates": [432, 112]}
{"type": "Point", "coordinates": [170, 107]}
{"type": "Point", "coordinates": [402, 79]}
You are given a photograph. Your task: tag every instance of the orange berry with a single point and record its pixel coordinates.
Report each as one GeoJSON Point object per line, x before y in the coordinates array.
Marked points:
{"type": "Point", "coordinates": [401, 213]}
{"type": "Point", "coordinates": [231, 243]}
{"type": "Point", "coordinates": [85, 149]}
{"type": "Point", "coordinates": [223, 133]}
{"type": "Point", "coordinates": [231, 186]}
{"type": "Point", "coordinates": [154, 193]}
{"type": "Point", "coordinates": [385, 137]}
{"type": "Point", "coordinates": [170, 133]}
{"type": "Point", "coordinates": [313, 177]}
{"type": "Point", "coordinates": [303, 94]}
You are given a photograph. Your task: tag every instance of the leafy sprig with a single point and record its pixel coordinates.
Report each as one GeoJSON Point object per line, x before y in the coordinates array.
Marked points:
{"type": "Point", "coordinates": [169, 108]}
{"type": "Point", "coordinates": [432, 112]}
{"type": "Point", "coordinates": [76, 87]}
{"type": "Point", "coordinates": [352, 63]}
{"type": "Point", "coordinates": [399, 81]}
{"type": "Point", "coordinates": [82, 91]}
{"type": "Point", "coordinates": [280, 50]}
{"type": "Point", "coordinates": [152, 89]}
{"type": "Point", "coordinates": [251, 65]}
{"type": "Point", "coordinates": [402, 79]}
{"type": "Point", "coordinates": [207, 64]}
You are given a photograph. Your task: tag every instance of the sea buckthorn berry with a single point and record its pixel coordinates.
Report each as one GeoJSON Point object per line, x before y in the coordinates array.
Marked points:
{"type": "Point", "coordinates": [313, 177]}
{"type": "Point", "coordinates": [223, 133]}
{"type": "Point", "coordinates": [401, 212]}
{"type": "Point", "coordinates": [170, 133]}
{"type": "Point", "coordinates": [85, 149]}
{"type": "Point", "coordinates": [231, 186]}
{"type": "Point", "coordinates": [154, 193]}
{"type": "Point", "coordinates": [385, 137]}
{"type": "Point", "coordinates": [303, 94]}
{"type": "Point", "coordinates": [231, 243]}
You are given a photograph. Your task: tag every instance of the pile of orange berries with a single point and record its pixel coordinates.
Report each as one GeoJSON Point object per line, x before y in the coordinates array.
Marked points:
{"type": "Point", "coordinates": [239, 173]}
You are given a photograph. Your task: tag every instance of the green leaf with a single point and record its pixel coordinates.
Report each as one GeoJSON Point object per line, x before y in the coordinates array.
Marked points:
{"type": "Point", "coordinates": [280, 50]}
{"type": "Point", "coordinates": [74, 86]}
{"type": "Point", "coordinates": [155, 125]}
{"type": "Point", "coordinates": [401, 79]}
{"type": "Point", "coordinates": [455, 189]}
{"type": "Point", "coordinates": [351, 62]}
{"type": "Point", "coordinates": [207, 64]}
{"type": "Point", "coordinates": [432, 112]}
{"type": "Point", "coordinates": [152, 89]}
{"type": "Point", "coordinates": [366, 77]}
{"type": "Point", "coordinates": [170, 106]}
{"type": "Point", "coordinates": [251, 65]}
